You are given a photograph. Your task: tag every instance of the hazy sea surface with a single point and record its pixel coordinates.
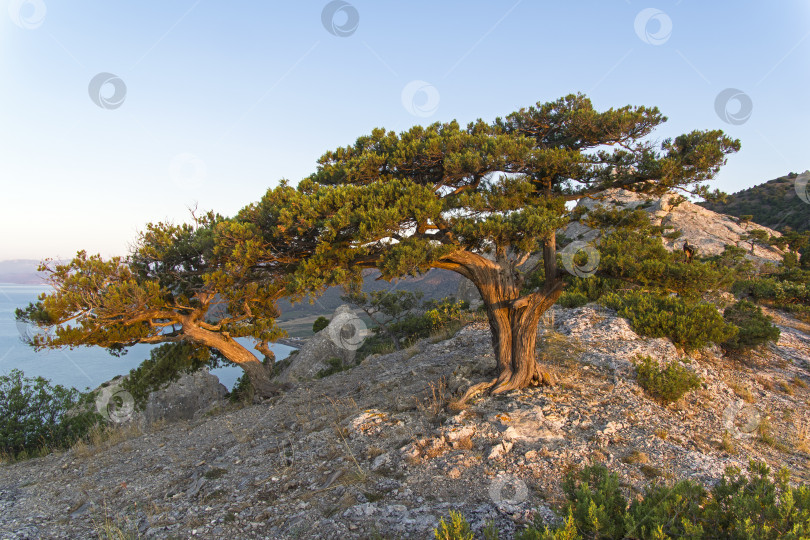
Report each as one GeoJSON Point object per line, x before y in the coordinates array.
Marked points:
{"type": "Point", "coordinates": [82, 367]}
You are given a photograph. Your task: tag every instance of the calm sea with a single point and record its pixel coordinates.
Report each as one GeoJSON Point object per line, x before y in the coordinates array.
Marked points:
{"type": "Point", "coordinates": [83, 367]}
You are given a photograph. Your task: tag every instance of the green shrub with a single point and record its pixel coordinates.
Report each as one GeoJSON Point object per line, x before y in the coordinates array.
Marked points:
{"type": "Point", "coordinates": [319, 324]}
{"type": "Point", "coordinates": [35, 416]}
{"type": "Point", "coordinates": [751, 506]}
{"type": "Point", "coordinates": [674, 510]}
{"type": "Point", "coordinates": [668, 384]}
{"type": "Point", "coordinates": [456, 529]}
{"type": "Point", "coordinates": [243, 391]}
{"type": "Point", "coordinates": [781, 292]}
{"type": "Point", "coordinates": [436, 315]}
{"type": "Point", "coordinates": [596, 502]}
{"type": "Point", "coordinates": [687, 323]}
{"type": "Point", "coordinates": [572, 299]}
{"type": "Point", "coordinates": [755, 328]}
{"type": "Point", "coordinates": [754, 506]}
{"type": "Point", "coordinates": [788, 289]}
{"type": "Point", "coordinates": [640, 257]}
{"type": "Point", "coordinates": [165, 365]}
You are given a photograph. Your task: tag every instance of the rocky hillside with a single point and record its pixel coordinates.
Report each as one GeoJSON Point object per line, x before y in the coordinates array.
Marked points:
{"type": "Point", "coordinates": [378, 451]}
{"type": "Point", "coordinates": [775, 203]}
{"type": "Point", "coordinates": [708, 230]}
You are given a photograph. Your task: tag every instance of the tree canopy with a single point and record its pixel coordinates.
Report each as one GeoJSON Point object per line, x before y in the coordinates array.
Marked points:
{"type": "Point", "coordinates": [171, 288]}
{"type": "Point", "coordinates": [479, 200]}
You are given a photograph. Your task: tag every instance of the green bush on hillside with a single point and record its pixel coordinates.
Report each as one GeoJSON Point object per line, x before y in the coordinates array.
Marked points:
{"type": "Point", "coordinates": [435, 315]}
{"type": "Point", "coordinates": [688, 323]}
{"type": "Point", "coordinates": [36, 416]}
{"type": "Point", "coordinates": [639, 257]}
{"type": "Point", "coordinates": [319, 324]}
{"type": "Point", "coordinates": [752, 506]}
{"type": "Point", "coordinates": [755, 328]}
{"type": "Point", "coordinates": [788, 289]}
{"type": "Point", "coordinates": [668, 384]}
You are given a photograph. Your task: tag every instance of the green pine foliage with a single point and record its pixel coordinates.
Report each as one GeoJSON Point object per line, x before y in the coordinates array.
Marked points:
{"type": "Point", "coordinates": [758, 505]}
{"type": "Point", "coordinates": [242, 391]}
{"type": "Point", "coordinates": [595, 502]}
{"type": "Point", "coordinates": [637, 256]}
{"type": "Point", "coordinates": [36, 416]}
{"type": "Point", "coordinates": [175, 285]}
{"type": "Point", "coordinates": [788, 290]}
{"type": "Point", "coordinates": [689, 323]}
{"type": "Point", "coordinates": [165, 365]}
{"type": "Point", "coordinates": [665, 385]}
{"type": "Point", "coordinates": [319, 324]}
{"type": "Point", "coordinates": [456, 528]}
{"type": "Point", "coordinates": [755, 328]}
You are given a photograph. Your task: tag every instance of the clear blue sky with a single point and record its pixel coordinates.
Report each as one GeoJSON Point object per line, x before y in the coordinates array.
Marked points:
{"type": "Point", "coordinates": [223, 99]}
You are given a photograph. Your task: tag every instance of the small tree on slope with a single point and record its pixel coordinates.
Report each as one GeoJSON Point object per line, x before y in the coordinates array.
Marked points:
{"type": "Point", "coordinates": [172, 288]}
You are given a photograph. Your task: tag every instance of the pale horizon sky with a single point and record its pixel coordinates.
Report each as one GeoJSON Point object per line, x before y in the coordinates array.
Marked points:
{"type": "Point", "coordinates": [210, 104]}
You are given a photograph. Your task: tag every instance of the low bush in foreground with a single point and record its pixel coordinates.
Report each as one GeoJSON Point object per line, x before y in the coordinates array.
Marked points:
{"type": "Point", "coordinates": [668, 384]}
{"type": "Point", "coordinates": [752, 506]}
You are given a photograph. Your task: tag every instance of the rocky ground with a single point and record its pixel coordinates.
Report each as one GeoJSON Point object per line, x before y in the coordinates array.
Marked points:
{"type": "Point", "coordinates": [378, 451]}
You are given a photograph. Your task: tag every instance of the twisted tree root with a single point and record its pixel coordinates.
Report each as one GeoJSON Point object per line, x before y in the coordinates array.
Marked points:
{"type": "Point", "coordinates": [504, 383]}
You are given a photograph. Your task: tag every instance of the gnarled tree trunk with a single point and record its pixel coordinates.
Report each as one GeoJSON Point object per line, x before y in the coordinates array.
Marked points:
{"type": "Point", "coordinates": [513, 319]}
{"type": "Point", "coordinates": [231, 349]}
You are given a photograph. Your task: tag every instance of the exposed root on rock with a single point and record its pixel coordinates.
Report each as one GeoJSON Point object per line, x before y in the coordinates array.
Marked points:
{"type": "Point", "coordinates": [507, 382]}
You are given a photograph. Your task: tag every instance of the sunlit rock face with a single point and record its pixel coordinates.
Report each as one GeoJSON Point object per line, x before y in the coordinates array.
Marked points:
{"type": "Point", "coordinates": [707, 230]}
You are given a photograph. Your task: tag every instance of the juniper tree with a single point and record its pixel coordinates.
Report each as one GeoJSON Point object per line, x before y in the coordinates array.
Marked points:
{"type": "Point", "coordinates": [171, 288]}
{"type": "Point", "coordinates": [478, 200]}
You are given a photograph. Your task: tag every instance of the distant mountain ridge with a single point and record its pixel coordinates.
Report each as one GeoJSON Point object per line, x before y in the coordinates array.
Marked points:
{"type": "Point", "coordinates": [20, 272]}
{"type": "Point", "coordinates": [774, 204]}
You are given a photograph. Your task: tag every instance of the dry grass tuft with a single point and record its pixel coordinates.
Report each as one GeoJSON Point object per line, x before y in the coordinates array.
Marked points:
{"type": "Point", "coordinates": [743, 392]}
{"type": "Point", "coordinates": [464, 443]}
{"type": "Point", "coordinates": [802, 435]}
{"type": "Point", "coordinates": [798, 381]}
{"type": "Point", "coordinates": [636, 457]}
{"type": "Point", "coordinates": [727, 443]}
{"type": "Point", "coordinates": [786, 388]}
{"type": "Point", "coordinates": [437, 399]}
{"type": "Point", "coordinates": [101, 438]}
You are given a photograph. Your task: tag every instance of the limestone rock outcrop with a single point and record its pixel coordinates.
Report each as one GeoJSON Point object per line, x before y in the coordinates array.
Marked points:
{"type": "Point", "coordinates": [340, 339]}
{"type": "Point", "coordinates": [707, 230]}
